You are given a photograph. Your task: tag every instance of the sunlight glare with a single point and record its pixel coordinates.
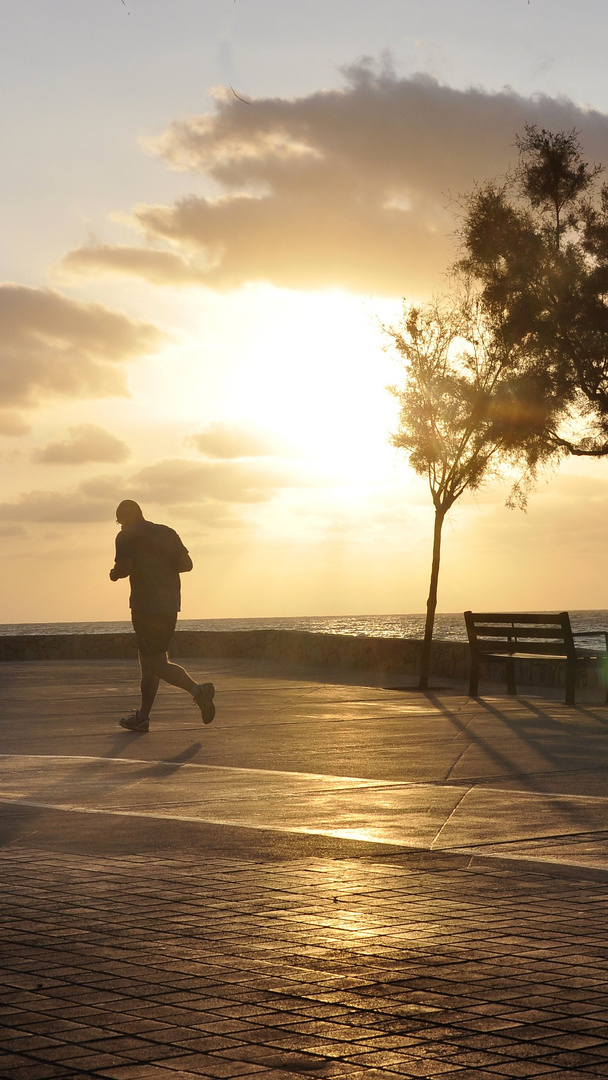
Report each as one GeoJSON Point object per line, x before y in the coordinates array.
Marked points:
{"type": "Point", "coordinates": [316, 376]}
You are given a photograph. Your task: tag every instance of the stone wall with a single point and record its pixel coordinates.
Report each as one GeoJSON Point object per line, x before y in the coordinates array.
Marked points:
{"type": "Point", "coordinates": [391, 656]}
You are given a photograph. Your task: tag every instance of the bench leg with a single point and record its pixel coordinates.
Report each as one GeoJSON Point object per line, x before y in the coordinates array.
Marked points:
{"type": "Point", "coordinates": [474, 679]}
{"type": "Point", "coordinates": [511, 687]}
{"type": "Point", "coordinates": [570, 685]}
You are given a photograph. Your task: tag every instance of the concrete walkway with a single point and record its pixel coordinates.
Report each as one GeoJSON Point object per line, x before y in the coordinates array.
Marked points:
{"type": "Point", "coordinates": [333, 879]}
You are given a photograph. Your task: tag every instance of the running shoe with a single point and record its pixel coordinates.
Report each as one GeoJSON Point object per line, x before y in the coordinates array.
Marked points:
{"type": "Point", "coordinates": [133, 723]}
{"type": "Point", "coordinates": [204, 699]}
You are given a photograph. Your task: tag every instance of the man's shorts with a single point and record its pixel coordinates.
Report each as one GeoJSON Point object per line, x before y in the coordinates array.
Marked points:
{"type": "Point", "coordinates": [153, 631]}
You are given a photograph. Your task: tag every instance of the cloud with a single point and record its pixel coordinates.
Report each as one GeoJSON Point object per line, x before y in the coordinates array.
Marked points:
{"type": "Point", "coordinates": [87, 442]}
{"type": "Point", "coordinates": [157, 267]}
{"type": "Point", "coordinates": [79, 508]}
{"type": "Point", "coordinates": [347, 188]}
{"type": "Point", "coordinates": [191, 487]}
{"type": "Point", "coordinates": [52, 506]}
{"type": "Point", "coordinates": [12, 423]}
{"type": "Point", "coordinates": [180, 481]}
{"type": "Point", "coordinates": [222, 440]}
{"type": "Point", "coordinates": [12, 530]}
{"type": "Point", "coordinates": [52, 346]}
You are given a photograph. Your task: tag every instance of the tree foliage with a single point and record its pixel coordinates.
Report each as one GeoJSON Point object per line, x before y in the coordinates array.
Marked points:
{"type": "Point", "coordinates": [551, 173]}
{"type": "Point", "coordinates": [448, 400]}
{"type": "Point", "coordinates": [536, 249]}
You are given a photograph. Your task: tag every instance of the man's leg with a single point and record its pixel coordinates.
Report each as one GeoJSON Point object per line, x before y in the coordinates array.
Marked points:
{"type": "Point", "coordinates": [148, 684]}
{"type": "Point", "coordinates": [139, 720]}
{"type": "Point", "coordinates": [202, 693]}
{"type": "Point", "coordinates": [154, 633]}
{"type": "Point", "coordinates": [174, 674]}
{"type": "Point", "coordinates": [153, 668]}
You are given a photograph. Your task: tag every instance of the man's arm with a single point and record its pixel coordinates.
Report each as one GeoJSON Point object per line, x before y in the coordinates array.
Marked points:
{"type": "Point", "coordinates": [122, 567]}
{"type": "Point", "coordinates": [184, 562]}
{"type": "Point", "coordinates": [181, 558]}
{"type": "Point", "coordinates": [123, 558]}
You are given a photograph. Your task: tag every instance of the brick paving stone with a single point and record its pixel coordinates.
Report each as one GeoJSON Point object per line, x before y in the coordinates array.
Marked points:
{"type": "Point", "coordinates": [427, 1068]}
{"type": "Point", "coordinates": [266, 1018]}
{"type": "Point", "coordinates": [212, 1067]}
{"type": "Point", "coordinates": [94, 1062]}
{"type": "Point", "coordinates": [230, 1026]}
{"type": "Point", "coordinates": [8, 1060]}
{"type": "Point", "coordinates": [388, 1042]}
{"type": "Point", "coordinates": [241, 967]}
{"type": "Point", "coordinates": [488, 1023]}
{"type": "Point", "coordinates": [275, 1057]}
{"type": "Point", "coordinates": [569, 1074]}
{"type": "Point", "coordinates": [532, 1051]}
{"type": "Point", "coordinates": [385, 1058]}
{"type": "Point", "coordinates": [144, 1072]}
{"type": "Point", "coordinates": [280, 1074]}
{"type": "Point", "coordinates": [466, 1058]}
{"type": "Point", "coordinates": [522, 1068]}
{"type": "Point", "coordinates": [579, 1023]}
{"type": "Point", "coordinates": [68, 1054]}
{"type": "Point", "coordinates": [330, 1030]}
{"type": "Point", "coordinates": [482, 1074]}
{"type": "Point", "coordinates": [369, 1074]}
{"type": "Point", "coordinates": [151, 1052]}
{"type": "Point", "coordinates": [575, 1041]}
{"type": "Point", "coordinates": [209, 1043]}
{"type": "Point", "coordinates": [486, 1040]}
{"type": "Point", "coordinates": [165, 1033]}
{"type": "Point", "coordinates": [20, 1042]}
{"type": "Point", "coordinates": [37, 1072]}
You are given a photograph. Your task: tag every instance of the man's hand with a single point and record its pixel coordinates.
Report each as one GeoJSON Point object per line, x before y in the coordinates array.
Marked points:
{"type": "Point", "coordinates": [122, 568]}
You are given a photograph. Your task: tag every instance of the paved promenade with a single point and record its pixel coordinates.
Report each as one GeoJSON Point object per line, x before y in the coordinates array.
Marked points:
{"type": "Point", "coordinates": [335, 878]}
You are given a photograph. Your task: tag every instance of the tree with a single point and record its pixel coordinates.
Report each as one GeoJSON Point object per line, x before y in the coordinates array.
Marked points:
{"type": "Point", "coordinates": [451, 408]}
{"type": "Point", "coordinates": [536, 251]}
{"type": "Point", "coordinates": [515, 369]}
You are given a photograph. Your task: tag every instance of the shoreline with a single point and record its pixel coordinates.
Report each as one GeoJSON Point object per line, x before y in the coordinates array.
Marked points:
{"type": "Point", "coordinates": [379, 655]}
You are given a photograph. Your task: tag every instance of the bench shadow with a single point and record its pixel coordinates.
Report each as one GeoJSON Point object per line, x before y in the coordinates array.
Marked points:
{"type": "Point", "coordinates": [571, 810]}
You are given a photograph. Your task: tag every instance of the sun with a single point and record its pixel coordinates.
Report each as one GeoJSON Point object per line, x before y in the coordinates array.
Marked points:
{"type": "Point", "coordinates": [316, 375]}
{"type": "Point", "coordinates": [307, 369]}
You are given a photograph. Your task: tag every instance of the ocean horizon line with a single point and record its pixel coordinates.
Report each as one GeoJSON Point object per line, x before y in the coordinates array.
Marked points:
{"type": "Point", "coordinates": [449, 626]}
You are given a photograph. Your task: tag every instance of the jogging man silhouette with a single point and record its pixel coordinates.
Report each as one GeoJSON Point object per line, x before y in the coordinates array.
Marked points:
{"type": "Point", "coordinates": [152, 557]}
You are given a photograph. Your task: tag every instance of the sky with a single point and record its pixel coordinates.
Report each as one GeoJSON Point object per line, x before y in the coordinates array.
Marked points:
{"type": "Point", "coordinates": [209, 208]}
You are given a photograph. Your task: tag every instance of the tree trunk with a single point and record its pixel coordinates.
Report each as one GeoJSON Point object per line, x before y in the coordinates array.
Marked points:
{"type": "Point", "coordinates": [431, 603]}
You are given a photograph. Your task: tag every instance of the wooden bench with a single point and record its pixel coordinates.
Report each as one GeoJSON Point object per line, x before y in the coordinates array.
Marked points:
{"type": "Point", "coordinates": [510, 636]}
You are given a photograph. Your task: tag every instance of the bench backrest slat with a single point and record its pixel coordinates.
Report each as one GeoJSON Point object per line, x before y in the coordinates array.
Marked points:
{"type": "Point", "coordinates": [520, 632]}
{"type": "Point", "coordinates": [549, 632]}
{"type": "Point", "coordinates": [540, 648]}
{"type": "Point", "coordinates": [533, 618]}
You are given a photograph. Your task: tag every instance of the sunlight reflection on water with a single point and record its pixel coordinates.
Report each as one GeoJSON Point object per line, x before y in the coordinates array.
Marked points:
{"type": "Point", "coordinates": [448, 626]}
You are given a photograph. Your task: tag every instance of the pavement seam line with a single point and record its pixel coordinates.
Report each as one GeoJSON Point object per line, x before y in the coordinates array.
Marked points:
{"type": "Point", "coordinates": [369, 781]}
{"type": "Point", "coordinates": [340, 834]}
{"type": "Point", "coordinates": [449, 817]}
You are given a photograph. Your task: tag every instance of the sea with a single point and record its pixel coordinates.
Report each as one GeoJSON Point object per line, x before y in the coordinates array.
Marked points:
{"type": "Point", "coordinates": [449, 626]}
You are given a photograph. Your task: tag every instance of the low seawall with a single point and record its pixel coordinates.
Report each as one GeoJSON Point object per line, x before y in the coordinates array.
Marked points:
{"type": "Point", "coordinates": [391, 656]}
